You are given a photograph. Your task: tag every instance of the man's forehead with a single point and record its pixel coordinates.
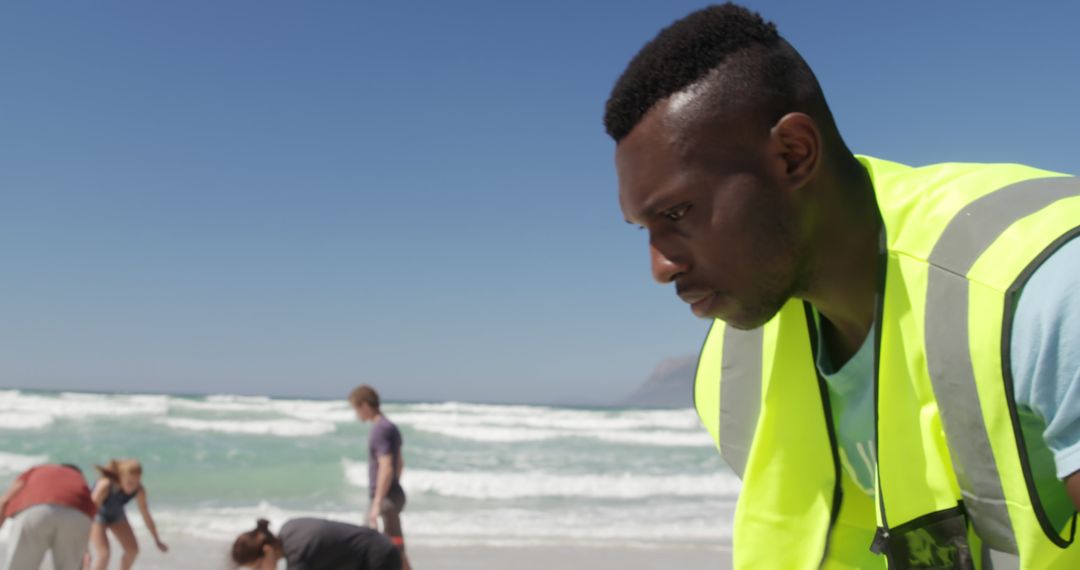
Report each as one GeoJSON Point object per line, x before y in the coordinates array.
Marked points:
{"type": "Point", "coordinates": [647, 162]}
{"type": "Point", "coordinates": [685, 127]}
{"type": "Point", "coordinates": [689, 122]}
{"type": "Point", "coordinates": [644, 150]}
{"type": "Point", "coordinates": [651, 138]}
{"type": "Point", "coordinates": [675, 138]}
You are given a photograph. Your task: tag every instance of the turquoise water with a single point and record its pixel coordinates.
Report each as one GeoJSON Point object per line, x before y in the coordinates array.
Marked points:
{"type": "Point", "coordinates": [475, 474]}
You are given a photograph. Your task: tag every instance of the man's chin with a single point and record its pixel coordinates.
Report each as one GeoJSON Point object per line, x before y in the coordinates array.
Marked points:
{"type": "Point", "coordinates": [742, 319]}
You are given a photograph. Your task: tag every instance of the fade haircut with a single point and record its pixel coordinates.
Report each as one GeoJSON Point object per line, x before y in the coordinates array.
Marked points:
{"type": "Point", "coordinates": [736, 56]}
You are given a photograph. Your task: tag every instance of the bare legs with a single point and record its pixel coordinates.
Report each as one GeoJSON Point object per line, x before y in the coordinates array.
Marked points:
{"type": "Point", "coordinates": [99, 542]}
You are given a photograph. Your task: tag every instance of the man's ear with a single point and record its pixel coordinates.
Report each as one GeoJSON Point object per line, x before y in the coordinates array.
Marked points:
{"type": "Point", "coordinates": [796, 143]}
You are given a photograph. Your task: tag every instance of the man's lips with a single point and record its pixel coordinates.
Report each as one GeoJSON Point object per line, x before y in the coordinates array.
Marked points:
{"type": "Point", "coordinates": [693, 297]}
{"type": "Point", "coordinates": [700, 301]}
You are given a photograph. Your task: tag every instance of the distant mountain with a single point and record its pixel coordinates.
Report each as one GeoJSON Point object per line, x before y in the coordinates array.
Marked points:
{"type": "Point", "coordinates": [671, 385]}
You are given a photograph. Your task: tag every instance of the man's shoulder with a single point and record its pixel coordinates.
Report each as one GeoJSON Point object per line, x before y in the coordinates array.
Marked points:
{"type": "Point", "coordinates": [951, 172]}
{"type": "Point", "coordinates": [385, 424]}
{"type": "Point", "coordinates": [384, 435]}
{"type": "Point", "coordinates": [932, 185]}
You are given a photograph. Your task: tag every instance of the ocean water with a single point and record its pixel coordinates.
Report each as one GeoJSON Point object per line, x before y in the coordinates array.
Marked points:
{"type": "Point", "coordinates": [475, 474]}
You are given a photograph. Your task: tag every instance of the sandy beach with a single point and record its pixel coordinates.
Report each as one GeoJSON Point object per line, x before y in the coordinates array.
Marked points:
{"type": "Point", "coordinates": [193, 554]}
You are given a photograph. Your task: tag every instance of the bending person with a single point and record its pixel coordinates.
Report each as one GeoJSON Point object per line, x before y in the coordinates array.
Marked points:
{"type": "Point", "coordinates": [52, 509]}
{"type": "Point", "coordinates": [315, 544]}
{"type": "Point", "coordinates": [120, 482]}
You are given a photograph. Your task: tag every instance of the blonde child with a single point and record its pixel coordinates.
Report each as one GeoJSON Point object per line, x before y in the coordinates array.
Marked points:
{"type": "Point", "coordinates": [120, 482]}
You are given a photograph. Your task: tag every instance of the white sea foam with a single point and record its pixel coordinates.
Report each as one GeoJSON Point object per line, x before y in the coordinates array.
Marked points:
{"type": "Point", "coordinates": [492, 434]}
{"type": "Point", "coordinates": [492, 424]}
{"type": "Point", "coordinates": [234, 398]}
{"type": "Point", "coordinates": [225, 403]}
{"type": "Point", "coordinates": [515, 485]}
{"type": "Point", "coordinates": [23, 420]}
{"type": "Point", "coordinates": [219, 522]}
{"type": "Point", "coordinates": [326, 411]}
{"type": "Point", "coordinates": [486, 526]}
{"type": "Point", "coordinates": [660, 428]}
{"type": "Point", "coordinates": [34, 411]}
{"type": "Point", "coordinates": [511, 435]}
{"type": "Point", "coordinates": [464, 407]}
{"type": "Point", "coordinates": [16, 462]}
{"type": "Point", "coordinates": [699, 438]}
{"type": "Point", "coordinates": [281, 428]}
{"type": "Point", "coordinates": [181, 404]}
{"type": "Point", "coordinates": [541, 417]}
{"type": "Point", "coordinates": [337, 411]}
{"type": "Point", "coordinates": [487, 423]}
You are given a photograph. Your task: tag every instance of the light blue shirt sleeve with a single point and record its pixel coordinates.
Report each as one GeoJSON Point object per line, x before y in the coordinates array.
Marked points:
{"type": "Point", "coordinates": [1045, 353]}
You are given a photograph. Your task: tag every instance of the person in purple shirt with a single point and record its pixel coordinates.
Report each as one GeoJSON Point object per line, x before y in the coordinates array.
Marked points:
{"type": "Point", "coordinates": [385, 465]}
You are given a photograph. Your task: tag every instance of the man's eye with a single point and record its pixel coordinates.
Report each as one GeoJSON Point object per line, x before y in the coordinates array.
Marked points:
{"type": "Point", "coordinates": [676, 214]}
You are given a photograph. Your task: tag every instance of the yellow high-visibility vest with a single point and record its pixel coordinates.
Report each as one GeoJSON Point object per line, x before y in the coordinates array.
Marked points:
{"type": "Point", "coordinates": [955, 486]}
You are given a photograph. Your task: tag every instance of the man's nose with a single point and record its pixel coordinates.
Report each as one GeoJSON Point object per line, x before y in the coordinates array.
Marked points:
{"type": "Point", "coordinates": [664, 269]}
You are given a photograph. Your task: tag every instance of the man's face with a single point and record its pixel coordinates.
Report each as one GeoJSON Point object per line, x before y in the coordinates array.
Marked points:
{"type": "Point", "coordinates": [364, 412]}
{"type": "Point", "coordinates": [721, 226]}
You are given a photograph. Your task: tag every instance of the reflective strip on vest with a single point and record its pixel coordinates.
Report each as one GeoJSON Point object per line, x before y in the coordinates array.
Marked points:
{"type": "Point", "coordinates": [968, 235]}
{"type": "Point", "coordinates": [740, 395]}
{"type": "Point", "coordinates": [994, 560]}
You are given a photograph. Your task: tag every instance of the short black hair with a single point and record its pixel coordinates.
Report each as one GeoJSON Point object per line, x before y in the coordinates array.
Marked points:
{"type": "Point", "coordinates": [763, 68]}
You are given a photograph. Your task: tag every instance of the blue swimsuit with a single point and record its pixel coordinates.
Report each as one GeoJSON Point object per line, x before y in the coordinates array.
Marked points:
{"type": "Point", "coordinates": [112, 510]}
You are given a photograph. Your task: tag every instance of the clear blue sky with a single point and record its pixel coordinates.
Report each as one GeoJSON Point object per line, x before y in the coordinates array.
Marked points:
{"type": "Point", "coordinates": [292, 197]}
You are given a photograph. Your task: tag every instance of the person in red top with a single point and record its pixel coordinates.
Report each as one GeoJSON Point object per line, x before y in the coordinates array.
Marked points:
{"type": "Point", "coordinates": [52, 510]}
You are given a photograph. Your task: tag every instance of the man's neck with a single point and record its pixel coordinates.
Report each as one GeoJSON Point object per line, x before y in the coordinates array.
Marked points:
{"type": "Point", "coordinates": [844, 249]}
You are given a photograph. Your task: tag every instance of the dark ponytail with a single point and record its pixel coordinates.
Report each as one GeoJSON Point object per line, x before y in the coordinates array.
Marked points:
{"type": "Point", "coordinates": [250, 546]}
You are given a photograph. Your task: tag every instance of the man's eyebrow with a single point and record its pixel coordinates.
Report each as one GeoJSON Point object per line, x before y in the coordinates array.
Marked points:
{"type": "Point", "coordinates": [659, 202]}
